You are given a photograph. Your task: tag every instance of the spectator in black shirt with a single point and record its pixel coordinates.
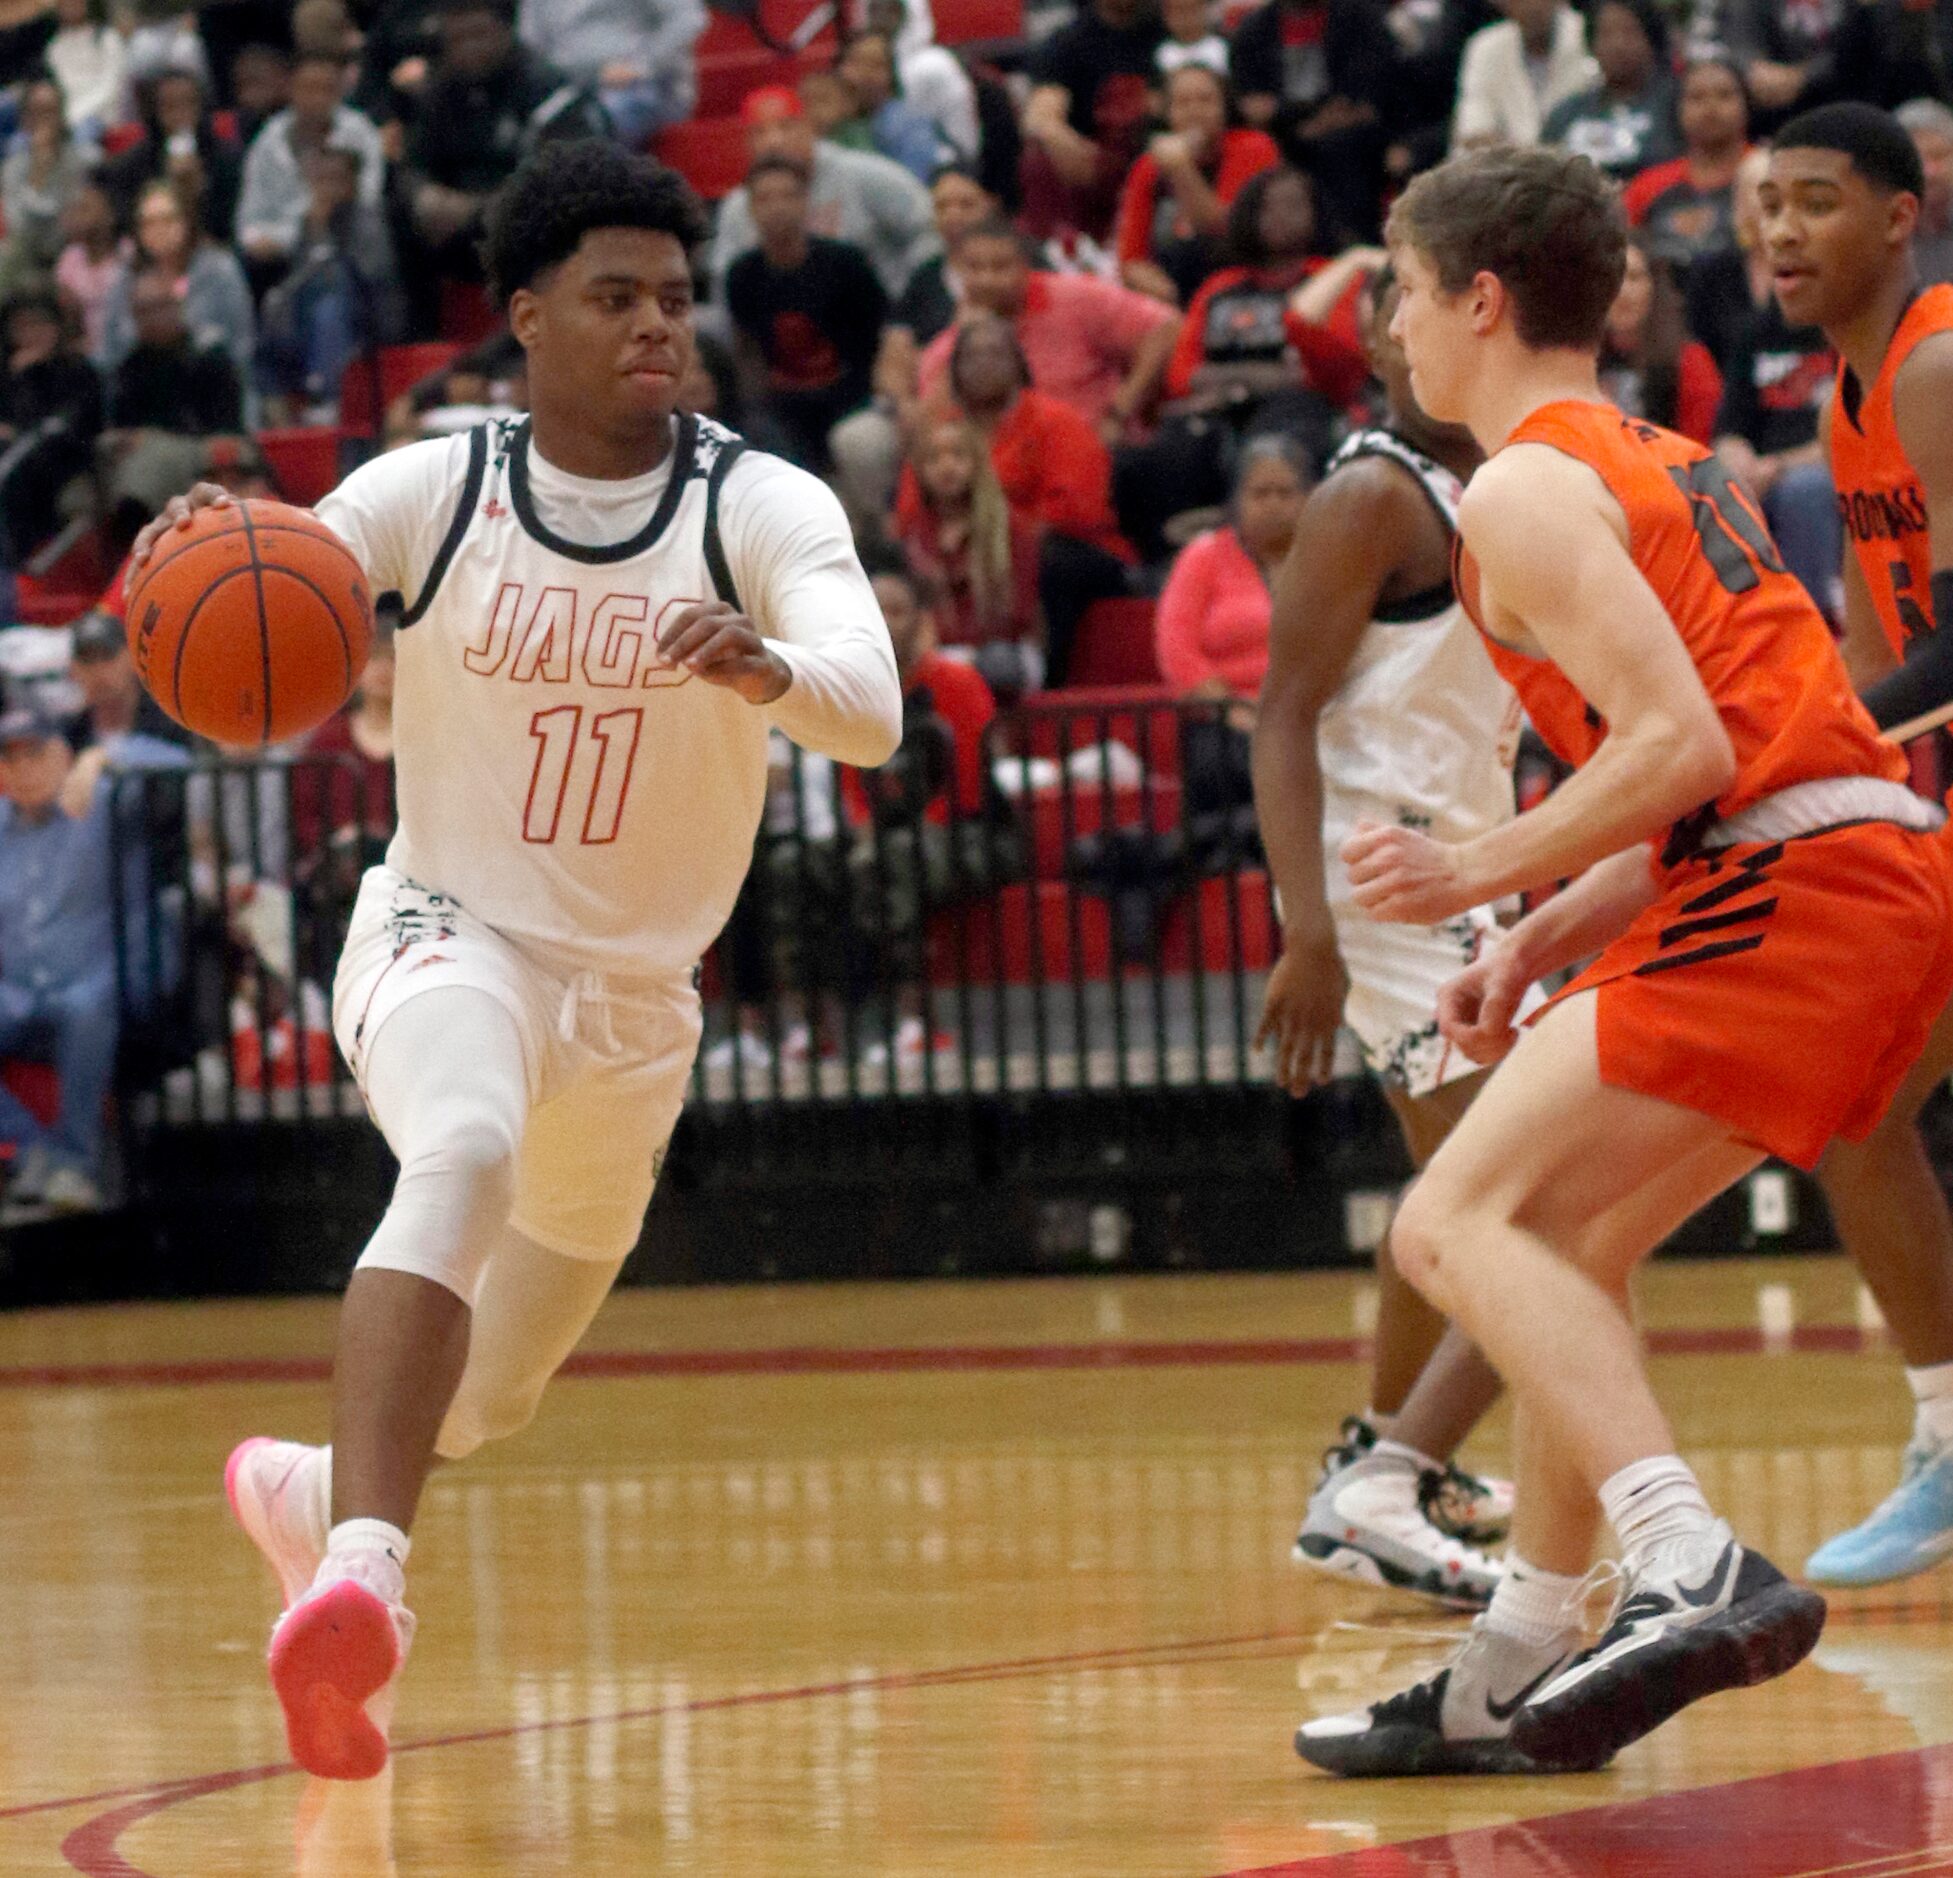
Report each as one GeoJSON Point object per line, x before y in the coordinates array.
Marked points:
{"type": "Point", "coordinates": [1626, 123]}
{"type": "Point", "coordinates": [808, 312]}
{"type": "Point", "coordinates": [1086, 120]}
{"type": "Point", "coordinates": [50, 414]}
{"type": "Point", "coordinates": [1317, 74]}
{"type": "Point", "coordinates": [169, 396]}
{"type": "Point", "coordinates": [180, 144]}
{"type": "Point", "coordinates": [485, 104]}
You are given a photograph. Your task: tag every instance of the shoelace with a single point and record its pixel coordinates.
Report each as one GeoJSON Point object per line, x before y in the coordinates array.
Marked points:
{"type": "Point", "coordinates": [1573, 1607]}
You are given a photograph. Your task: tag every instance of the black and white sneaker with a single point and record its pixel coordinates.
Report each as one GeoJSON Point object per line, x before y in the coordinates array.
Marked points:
{"type": "Point", "coordinates": [1473, 1508]}
{"type": "Point", "coordinates": [1367, 1522]}
{"type": "Point", "coordinates": [1704, 1615]}
{"type": "Point", "coordinates": [1457, 1722]}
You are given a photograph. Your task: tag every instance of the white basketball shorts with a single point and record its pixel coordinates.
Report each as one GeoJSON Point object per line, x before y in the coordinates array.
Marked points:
{"type": "Point", "coordinates": [1395, 974]}
{"type": "Point", "coordinates": [608, 1058]}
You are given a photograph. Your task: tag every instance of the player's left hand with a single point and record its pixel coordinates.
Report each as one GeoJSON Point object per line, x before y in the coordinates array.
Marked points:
{"type": "Point", "coordinates": [1401, 875]}
{"type": "Point", "coordinates": [723, 647]}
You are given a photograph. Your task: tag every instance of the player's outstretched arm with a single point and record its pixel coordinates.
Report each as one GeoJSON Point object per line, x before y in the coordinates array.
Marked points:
{"type": "Point", "coordinates": [1557, 579]}
{"type": "Point", "coordinates": [1355, 531]}
{"type": "Point", "coordinates": [1919, 694]}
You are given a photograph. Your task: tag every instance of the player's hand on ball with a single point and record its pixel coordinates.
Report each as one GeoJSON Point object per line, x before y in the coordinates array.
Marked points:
{"type": "Point", "coordinates": [176, 514]}
{"type": "Point", "coordinates": [1476, 1008]}
{"type": "Point", "coordinates": [1303, 1011]}
{"type": "Point", "coordinates": [723, 647]}
{"type": "Point", "coordinates": [1401, 875]}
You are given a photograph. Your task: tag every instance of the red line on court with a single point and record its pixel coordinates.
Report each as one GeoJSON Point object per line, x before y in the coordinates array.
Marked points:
{"type": "Point", "coordinates": [1707, 1340]}
{"type": "Point", "coordinates": [1887, 1813]}
{"type": "Point", "coordinates": [93, 1848]}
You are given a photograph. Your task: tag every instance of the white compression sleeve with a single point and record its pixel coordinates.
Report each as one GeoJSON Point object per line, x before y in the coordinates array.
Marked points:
{"type": "Point", "coordinates": [449, 1087]}
{"type": "Point", "coordinates": [530, 1313]}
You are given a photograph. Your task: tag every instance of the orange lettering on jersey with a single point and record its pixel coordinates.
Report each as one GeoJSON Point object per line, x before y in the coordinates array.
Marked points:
{"type": "Point", "coordinates": [659, 672]}
{"type": "Point", "coordinates": [544, 648]}
{"type": "Point", "coordinates": [486, 658]}
{"type": "Point", "coordinates": [610, 653]}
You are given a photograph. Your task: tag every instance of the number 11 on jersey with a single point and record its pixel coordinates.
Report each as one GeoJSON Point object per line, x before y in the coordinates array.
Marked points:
{"type": "Point", "coordinates": [558, 734]}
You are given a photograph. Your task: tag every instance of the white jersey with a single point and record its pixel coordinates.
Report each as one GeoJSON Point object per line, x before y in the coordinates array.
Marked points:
{"type": "Point", "coordinates": [1423, 731]}
{"type": "Point", "coordinates": [556, 777]}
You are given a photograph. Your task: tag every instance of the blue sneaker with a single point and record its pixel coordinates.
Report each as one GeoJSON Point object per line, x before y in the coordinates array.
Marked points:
{"type": "Point", "coordinates": [1911, 1530]}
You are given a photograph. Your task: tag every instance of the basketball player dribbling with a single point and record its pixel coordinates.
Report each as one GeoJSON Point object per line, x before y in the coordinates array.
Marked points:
{"type": "Point", "coordinates": [1380, 704]}
{"type": "Point", "coordinates": [1839, 205]}
{"type": "Point", "coordinates": [1741, 842]}
{"type": "Point", "coordinates": [607, 607]}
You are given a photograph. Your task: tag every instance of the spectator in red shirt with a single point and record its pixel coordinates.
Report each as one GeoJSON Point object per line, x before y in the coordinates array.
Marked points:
{"type": "Point", "coordinates": [1054, 471]}
{"type": "Point", "coordinates": [961, 534]}
{"type": "Point", "coordinates": [1688, 206]}
{"type": "Point", "coordinates": [924, 840]}
{"type": "Point", "coordinates": [1099, 348]}
{"type": "Point", "coordinates": [1270, 344]}
{"type": "Point", "coordinates": [1173, 210]}
{"type": "Point", "coordinates": [1212, 625]}
{"type": "Point", "coordinates": [1648, 364]}
{"type": "Point", "coordinates": [342, 796]}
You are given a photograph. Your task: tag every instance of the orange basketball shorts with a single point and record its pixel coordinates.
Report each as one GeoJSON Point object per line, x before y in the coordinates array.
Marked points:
{"type": "Point", "coordinates": [1784, 988]}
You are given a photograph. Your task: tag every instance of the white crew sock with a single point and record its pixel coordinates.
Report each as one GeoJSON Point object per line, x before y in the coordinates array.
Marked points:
{"type": "Point", "coordinates": [1932, 1390]}
{"type": "Point", "coordinates": [1653, 1503]}
{"type": "Point", "coordinates": [1534, 1607]}
{"type": "Point", "coordinates": [371, 1553]}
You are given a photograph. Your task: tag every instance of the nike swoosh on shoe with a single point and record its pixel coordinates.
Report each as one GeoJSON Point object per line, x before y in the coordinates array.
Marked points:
{"type": "Point", "coordinates": [1707, 1592]}
{"type": "Point", "coordinates": [1504, 1711]}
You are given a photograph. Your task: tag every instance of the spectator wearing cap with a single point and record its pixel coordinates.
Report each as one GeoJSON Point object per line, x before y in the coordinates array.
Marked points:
{"type": "Point", "coordinates": [1930, 125]}
{"type": "Point", "coordinates": [852, 195]}
{"type": "Point", "coordinates": [1627, 121]}
{"type": "Point", "coordinates": [118, 715]}
{"type": "Point", "coordinates": [1515, 73]}
{"type": "Point", "coordinates": [271, 211]}
{"type": "Point", "coordinates": [636, 55]}
{"type": "Point", "coordinates": [170, 394]}
{"type": "Point", "coordinates": [59, 1002]}
{"type": "Point", "coordinates": [50, 415]}
{"type": "Point", "coordinates": [486, 103]}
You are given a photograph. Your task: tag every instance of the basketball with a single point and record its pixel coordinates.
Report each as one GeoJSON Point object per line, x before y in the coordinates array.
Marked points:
{"type": "Point", "coordinates": [252, 624]}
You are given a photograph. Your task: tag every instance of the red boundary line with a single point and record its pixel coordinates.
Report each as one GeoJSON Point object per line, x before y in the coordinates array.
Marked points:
{"type": "Point", "coordinates": [1708, 1340]}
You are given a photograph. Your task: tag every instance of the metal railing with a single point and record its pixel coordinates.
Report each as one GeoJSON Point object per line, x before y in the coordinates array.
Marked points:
{"type": "Point", "coordinates": [1082, 911]}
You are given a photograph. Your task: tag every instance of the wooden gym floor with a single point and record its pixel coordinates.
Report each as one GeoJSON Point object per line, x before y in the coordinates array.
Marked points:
{"type": "Point", "coordinates": [937, 1581]}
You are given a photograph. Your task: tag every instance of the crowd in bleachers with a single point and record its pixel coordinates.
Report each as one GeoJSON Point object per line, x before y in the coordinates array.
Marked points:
{"type": "Point", "coordinates": [1066, 302]}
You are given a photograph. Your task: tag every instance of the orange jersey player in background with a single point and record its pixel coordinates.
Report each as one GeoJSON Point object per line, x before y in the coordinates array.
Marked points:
{"type": "Point", "coordinates": [1839, 206]}
{"type": "Point", "coordinates": [1744, 845]}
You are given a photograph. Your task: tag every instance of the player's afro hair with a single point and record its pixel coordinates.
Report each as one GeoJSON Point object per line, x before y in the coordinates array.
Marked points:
{"type": "Point", "coordinates": [568, 188]}
{"type": "Point", "coordinates": [1878, 145]}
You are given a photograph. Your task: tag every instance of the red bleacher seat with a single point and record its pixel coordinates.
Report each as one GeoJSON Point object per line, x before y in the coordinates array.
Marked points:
{"type": "Point", "coordinates": [959, 22]}
{"type": "Point", "coordinates": [35, 1086]}
{"type": "Point", "coordinates": [1205, 915]}
{"type": "Point", "coordinates": [709, 152]}
{"type": "Point", "coordinates": [305, 462]}
{"type": "Point", "coordinates": [468, 315]}
{"type": "Point", "coordinates": [1115, 645]}
{"type": "Point", "coordinates": [401, 368]}
{"type": "Point", "coordinates": [1139, 716]}
{"type": "Point", "coordinates": [37, 603]}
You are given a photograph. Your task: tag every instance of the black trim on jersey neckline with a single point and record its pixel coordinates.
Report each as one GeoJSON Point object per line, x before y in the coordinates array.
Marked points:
{"type": "Point", "coordinates": [680, 460]}
{"type": "Point", "coordinates": [1414, 608]}
{"type": "Point", "coordinates": [464, 513]}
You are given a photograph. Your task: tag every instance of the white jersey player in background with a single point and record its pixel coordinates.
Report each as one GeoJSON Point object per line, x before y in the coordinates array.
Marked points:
{"type": "Point", "coordinates": [1381, 706]}
{"type": "Point", "coordinates": [608, 606]}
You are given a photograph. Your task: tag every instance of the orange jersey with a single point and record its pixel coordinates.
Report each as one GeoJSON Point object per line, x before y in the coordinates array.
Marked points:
{"type": "Point", "coordinates": [1879, 496]}
{"type": "Point", "coordinates": [1762, 649]}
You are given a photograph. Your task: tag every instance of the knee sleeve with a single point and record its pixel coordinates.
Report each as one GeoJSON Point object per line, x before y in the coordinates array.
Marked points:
{"type": "Point", "coordinates": [531, 1311]}
{"type": "Point", "coordinates": [449, 1088]}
